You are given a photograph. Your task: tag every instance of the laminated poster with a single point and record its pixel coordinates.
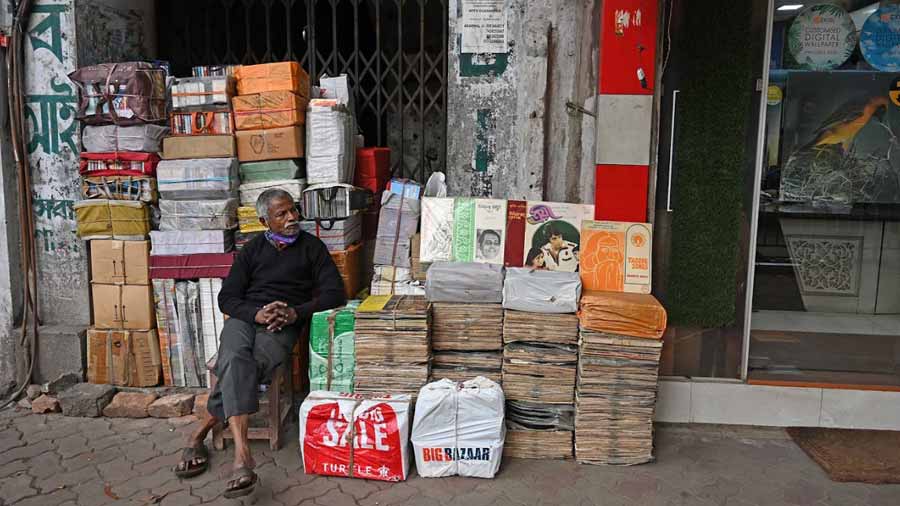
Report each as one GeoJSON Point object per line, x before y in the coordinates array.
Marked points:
{"type": "Point", "coordinates": [463, 230]}
{"type": "Point", "coordinates": [490, 230]}
{"type": "Point", "coordinates": [879, 39]}
{"type": "Point", "coordinates": [822, 37]}
{"type": "Point", "coordinates": [437, 229]}
{"type": "Point", "coordinates": [616, 256]}
{"type": "Point", "coordinates": [553, 235]}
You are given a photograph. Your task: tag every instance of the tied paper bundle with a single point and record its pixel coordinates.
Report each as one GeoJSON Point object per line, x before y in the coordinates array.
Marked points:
{"type": "Point", "coordinates": [334, 201]}
{"type": "Point", "coordinates": [462, 366]}
{"type": "Point", "coordinates": [540, 291]}
{"type": "Point", "coordinates": [616, 398]}
{"type": "Point", "coordinates": [539, 371]}
{"type": "Point", "coordinates": [338, 235]}
{"type": "Point", "coordinates": [250, 192]}
{"type": "Point", "coordinates": [212, 321]}
{"type": "Point", "coordinates": [467, 327]}
{"type": "Point", "coordinates": [127, 93]}
{"type": "Point", "coordinates": [465, 282]}
{"type": "Point", "coordinates": [114, 138]}
{"type": "Point", "coordinates": [198, 214]}
{"type": "Point", "coordinates": [393, 345]}
{"type": "Point", "coordinates": [271, 170]}
{"type": "Point", "coordinates": [214, 122]}
{"type": "Point", "coordinates": [192, 242]}
{"type": "Point", "coordinates": [631, 314]}
{"type": "Point", "coordinates": [118, 164]}
{"type": "Point", "coordinates": [248, 220]}
{"type": "Point", "coordinates": [330, 142]}
{"type": "Point", "coordinates": [271, 109]}
{"type": "Point", "coordinates": [196, 179]}
{"type": "Point", "coordinates": [112, 219]}
{"type": "Point", "coordinates": [202, 91]}
{"type": "Point", "coordinates": [142, 189]}
{"type": "Point", "coordinates": [332, 358]}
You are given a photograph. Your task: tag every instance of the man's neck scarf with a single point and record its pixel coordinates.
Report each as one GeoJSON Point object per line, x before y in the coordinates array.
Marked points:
{"type": "Point", "coordinates": [278, 239]}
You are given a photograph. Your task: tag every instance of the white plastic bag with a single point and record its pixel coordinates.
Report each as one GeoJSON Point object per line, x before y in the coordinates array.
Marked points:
{"type": "Point", "coordinates": [459, 428]}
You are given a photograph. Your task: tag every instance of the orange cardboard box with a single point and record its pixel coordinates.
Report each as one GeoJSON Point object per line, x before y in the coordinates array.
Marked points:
{"type": "Point", "coordinates": [271, 144]}
{"type": "Point", "coordinates": [120, 262]}
{"type": "Point", "coordinates": [270, 109]}
{"type": "Point", "coordinates": [128, 307]}
{"type": "Point", "coordinates": [616, 256]}
{"type": "Point", "coordinates": [286, 75]}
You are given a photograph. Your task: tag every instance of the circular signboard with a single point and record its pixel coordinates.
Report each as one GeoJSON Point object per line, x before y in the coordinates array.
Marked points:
{"type": "Point", "coordinates": [822, 37]}
{"type": "Point", "coordinates": [880, 39]}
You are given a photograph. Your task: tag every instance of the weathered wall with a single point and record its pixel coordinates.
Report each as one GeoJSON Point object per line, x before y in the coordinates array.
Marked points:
{"type": "Point", "coordinates": [115, 30]}
{"type": "Point", "coordinates": [53, 146]}
{"type": "Point", "coordinates": [499, 142]}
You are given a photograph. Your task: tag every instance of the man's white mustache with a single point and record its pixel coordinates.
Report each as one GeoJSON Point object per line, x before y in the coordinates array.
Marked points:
{"type": "Point", "coordinates": [292, 224]}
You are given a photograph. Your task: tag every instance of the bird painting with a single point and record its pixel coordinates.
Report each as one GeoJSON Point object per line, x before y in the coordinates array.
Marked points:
{"type": "Point", "coordinates": [842, 126]}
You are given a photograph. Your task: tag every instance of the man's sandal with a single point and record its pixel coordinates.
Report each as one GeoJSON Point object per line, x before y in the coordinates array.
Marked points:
{"type": "Point", "coordinates": [242, 483]}
{"type": "Point", "coordinates": [194, 461]}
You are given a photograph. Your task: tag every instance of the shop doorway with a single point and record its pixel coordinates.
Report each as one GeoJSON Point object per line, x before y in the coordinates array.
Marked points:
{"type": "Point", "coordinates": [826, 267]}
{"type": "Point", "coordinates": [394, 53]}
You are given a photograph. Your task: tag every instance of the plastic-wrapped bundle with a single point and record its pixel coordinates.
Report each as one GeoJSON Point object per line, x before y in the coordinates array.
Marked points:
{"type": "Point", "coordinates": [198, 178]}
{"type": "Point", "coordinates": [464, 282]}
{"type": "Point", "coordinates": [116, 219]}
{"type": "Point", "coordinates": [248, 221]}
{"type": "Point", "coordinates": [271, 170]}
{"type": "Point", "coordinates": [467, 421]}
{"type": "Point", "coordinates": [251, 191]}
{"type": "Point", "coordinates": [198, 214]}
{"type": "Point", "coordinates": [202, 91]}
{"type": "Point", "coordinates": [331, 345]}
{"type": "Point", "coordinates": [540, 291]}
{"type": "Point", "coordinates": [125, 93]}
{"type": "Point", "coordinates": [113, 138]}
{"type": "Point", "coordinates": [338, 235]}
{"type": "Point", "coordinates": [330, 143]}
{"type": "Point", "coordinates": [397, 222]}
{"type": "Point", "coordinates": [192, 242]}
{"type": "Point", "coordinates": [334, 201]}
{"type": "Point", "coordinates": [133, 188]}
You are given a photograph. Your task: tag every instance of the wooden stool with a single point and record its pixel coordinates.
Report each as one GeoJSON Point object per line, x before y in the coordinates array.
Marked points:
{"type": "Point", "coordinates": [280, 407]}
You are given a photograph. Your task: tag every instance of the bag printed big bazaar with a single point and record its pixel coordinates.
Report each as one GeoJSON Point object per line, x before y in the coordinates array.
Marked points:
{"type": "Point", "coordinates": [353, 436]}
{"type": "Point", "coordinates": [616, 256]}
{"type": "Point", "coordinates": [459, 428]}
{"type": "Point", "coordinates": [331, 349]}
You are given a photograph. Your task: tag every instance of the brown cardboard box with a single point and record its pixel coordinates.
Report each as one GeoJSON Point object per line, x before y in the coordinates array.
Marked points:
{"type": "Point", "coordinates": [198, 146]}
{"type": "Point", "coordinates": [286, 75]}
{"type": "Point", "coordinates": [124, 358]}
{"type": "Point", "coordinates": [120, 262]}
{"type": "Point", "coordinates": [270, 109]}
{"type": "Point", "coordinates": [272, 144]}
{"type": "Point", "coordinates": [123, 306]}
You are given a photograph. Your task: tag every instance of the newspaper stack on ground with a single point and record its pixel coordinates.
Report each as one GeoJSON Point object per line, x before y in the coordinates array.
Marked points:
{"type": "Point", "coordinates": [467, 340]}
{"type": "Point", "coordinates": [539, 365]}
{"type": "Point", "coordinates": [392, 344]}
{"type": "Point", "coordinates": [616, 397]}
{"type": "Point", "coordinates": [458, 429]}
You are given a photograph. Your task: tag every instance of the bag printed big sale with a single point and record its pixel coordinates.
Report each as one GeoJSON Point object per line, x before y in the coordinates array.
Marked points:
{"type": "Point", "coordinates": [378, 428]}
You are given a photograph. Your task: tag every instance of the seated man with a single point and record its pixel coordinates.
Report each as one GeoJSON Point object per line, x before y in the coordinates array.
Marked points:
{"type": "Point", "coordinates": [277, 282]}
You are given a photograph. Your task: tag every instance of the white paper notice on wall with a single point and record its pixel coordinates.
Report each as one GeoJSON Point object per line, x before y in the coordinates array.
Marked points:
{"type": "Point", "coordinates": [483, 26]}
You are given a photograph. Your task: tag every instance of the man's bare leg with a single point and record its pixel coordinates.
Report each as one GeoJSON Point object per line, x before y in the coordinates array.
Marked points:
{"type": "Point", "coordinates": [195, 441]}
{"type": "Point", "coordinates": [199, 436]}
{"type": "Point", "coordinates": [242, 457]}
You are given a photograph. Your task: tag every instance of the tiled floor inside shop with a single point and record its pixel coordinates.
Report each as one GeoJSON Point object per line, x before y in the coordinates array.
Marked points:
{"type": "Point", "coordinates": [50, 460]}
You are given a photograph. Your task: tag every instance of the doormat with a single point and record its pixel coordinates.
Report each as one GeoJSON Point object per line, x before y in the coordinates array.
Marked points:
{"type": "Point", "coordinates": [864, 456]}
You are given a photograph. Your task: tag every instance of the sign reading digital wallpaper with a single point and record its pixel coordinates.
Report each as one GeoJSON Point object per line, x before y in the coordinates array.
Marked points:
{"type": "Point", "coordinates": [879, 40]}
{"type": "Point", "coordinates": [822, 37]}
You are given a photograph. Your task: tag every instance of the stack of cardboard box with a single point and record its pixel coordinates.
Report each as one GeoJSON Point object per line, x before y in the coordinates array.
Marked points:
{"type": "Point", "coordinates": [121, 139]}
{"type": "Point", "coordinates": [270, 112]}
{"type": "Point", "coordinates": [123, 348]}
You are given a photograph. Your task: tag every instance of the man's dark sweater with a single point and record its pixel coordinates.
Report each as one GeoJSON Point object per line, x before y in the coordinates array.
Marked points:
{"type": "Point", "coordinates": [303, 275]}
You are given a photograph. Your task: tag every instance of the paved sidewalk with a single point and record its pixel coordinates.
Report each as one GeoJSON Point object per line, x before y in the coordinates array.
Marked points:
{"type": "Point", "coordinates": [50, 460]}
